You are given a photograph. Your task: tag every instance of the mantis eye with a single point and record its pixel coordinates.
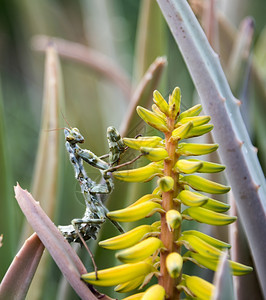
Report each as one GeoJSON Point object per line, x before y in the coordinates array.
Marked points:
{"type": "Point", "coordinates": [75, 130]}
{"type": "Point", "coordinates": [69, 138]}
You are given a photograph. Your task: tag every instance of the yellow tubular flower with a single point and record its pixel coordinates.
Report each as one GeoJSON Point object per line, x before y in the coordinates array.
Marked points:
{"type": "Point", "coordinates": [212, 264]}
{"type": "Point", "coordinates": [201, 184]}
{"type": "Point", "coordinates": [210, 240]}
{"type": "Point", "coordinates": [207, 216]}
{"type": "Point", "coordinates": [208, 167]}
{"type": "Point", "coordinates": [188, 149]}
{"type": "Point", "coordinates": [136, 212]}
{"type": "Point", "coordinates": [174, 103]}
{"type": "Point", "coordinates": [145, 141]}
{"type": "Point", "coordinates": [192, 199]}
{"type": "Point", "coordinates": [127, 239]}
{"type": "Point", "coordinates": [160, 102]}
{"type": "Point", "coordinates": [216, 205]}
{"type": "Point", "coordinates": [129, 285]}
{"type": "Point", "coordinates": [145, 198]}
{"type": "Point", "coordinates": [119, 274]}
{"type": "Point", "coordinates": [142, 174]}
{"type": "Point", "coordinates": [202, 289]}
{"type": "Point", "coordinates": [181, 132]}
{"type": "Point", "coordinates": [135, 297]}
{"type": "Point", "coordinates": [199, 130]}
{"type": "Point", "coordinates": [187, 166]}
{"type": "Point", "coordinates": [154, 292]}
{"type": "Point", "coordinates": [157, 111]}
{"type": "Point", "coordinates": [196, 121]}
{"type": "Point", "coordinates": [140, 251]}
{"type": "Point", "coordinates": [154, 154]}
{"type": "Point", "coordinates": [200, 246]}
{"type": "Point", "coordinates": [191, 112]}
{"type": "Point", "coordinates": [152, 119]}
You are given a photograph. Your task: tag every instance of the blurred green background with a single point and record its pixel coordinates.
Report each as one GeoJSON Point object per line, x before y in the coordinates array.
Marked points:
{"type": "Point", "coordinates": [131, 33]}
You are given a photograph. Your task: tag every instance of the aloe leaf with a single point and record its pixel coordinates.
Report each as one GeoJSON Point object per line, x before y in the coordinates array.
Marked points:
{"type": "Point", "coordinates": [259, 93]}
{"type": "Point", "coordinates": [142, 94]}
{"type": "Point", "coordinates": [223, 281]}
{"type": "Point", "coordinates": [46, 173]}
{"type": "Point", "coordinates": [86, 56]}
{"type": "Point", "coordinates": [62, 253]}
{"type": "Point", "coordinates": [247, 286]}
{"type": "Point", "coordinates": [18, 277]}
{"type": "Point", "coordinates": [243, 169]}
{"type": "Point", "coordinates": [238, 61]}
{"type": "Point", "coordinates": [46, 168]}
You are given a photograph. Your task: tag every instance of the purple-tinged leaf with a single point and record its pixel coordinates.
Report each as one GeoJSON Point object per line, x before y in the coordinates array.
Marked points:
{"type": "Point", "coordinates": [88, 57]}
{"type": "Point", "coordinates": [18, 277]}
{"type": "Point", "coordinates": [62, 253]}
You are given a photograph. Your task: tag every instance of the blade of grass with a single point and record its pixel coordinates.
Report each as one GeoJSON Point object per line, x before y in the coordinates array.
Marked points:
{"type": "Point", "coordinates": [243, 169]}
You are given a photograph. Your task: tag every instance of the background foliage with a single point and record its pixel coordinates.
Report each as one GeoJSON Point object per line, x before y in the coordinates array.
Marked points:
{"type": "Point", "coordinates": [132, 33]}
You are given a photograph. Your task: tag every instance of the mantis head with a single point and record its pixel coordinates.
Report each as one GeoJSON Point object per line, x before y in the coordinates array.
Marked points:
{"type": "Point", "coordinates": [73, 136]}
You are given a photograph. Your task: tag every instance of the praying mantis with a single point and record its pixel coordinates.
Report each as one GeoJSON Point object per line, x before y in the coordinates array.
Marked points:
{"type": "Point", "coordinates": [88, 226]}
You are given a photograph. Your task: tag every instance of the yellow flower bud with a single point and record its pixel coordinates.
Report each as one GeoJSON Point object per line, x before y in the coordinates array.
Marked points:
{"type": "Point", "coordinates": [165, 183]}
{"type": "Point", "coordinates": [174, 264]}
{"type": "Point", "coordinates": [152, 119]}
{"type": "Point", "coordinates": [173, 219]}
{"type": "Point", "coordinates": [154, 292]}
{"type": "Point", "coordinates": [160, 102]}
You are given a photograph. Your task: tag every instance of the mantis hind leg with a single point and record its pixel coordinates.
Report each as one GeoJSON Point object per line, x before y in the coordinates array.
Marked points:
{"type": "Point", "coordinates": [76, 223]}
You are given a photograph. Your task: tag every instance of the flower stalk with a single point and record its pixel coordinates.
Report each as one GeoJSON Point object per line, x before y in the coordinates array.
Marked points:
{"type": "Point", "coordinates": [167, 236]}
{"type": "Point", "coordinates": [156, 248]}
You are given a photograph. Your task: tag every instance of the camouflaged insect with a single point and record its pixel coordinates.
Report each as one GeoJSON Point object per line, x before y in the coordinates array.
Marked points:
{"type": "Point", "coordinates": [95, 213]}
